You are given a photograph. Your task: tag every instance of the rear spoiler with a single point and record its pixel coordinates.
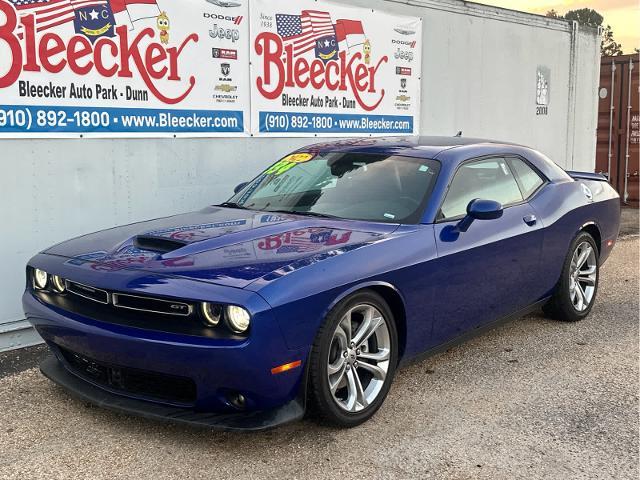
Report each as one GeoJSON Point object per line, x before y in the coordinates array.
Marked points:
{"type": "Point", "coordinates": [588, 176]}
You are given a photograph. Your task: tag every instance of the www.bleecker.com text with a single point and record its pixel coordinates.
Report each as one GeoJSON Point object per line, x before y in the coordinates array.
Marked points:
{"type": "Point", "coordinates": [81, 91]}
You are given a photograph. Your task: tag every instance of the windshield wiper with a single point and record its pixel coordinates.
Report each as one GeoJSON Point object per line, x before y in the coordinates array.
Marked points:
{"type": "Point", "coordinates": [304, 214]}
{"type": "Point", "coordinates": [233, 205]}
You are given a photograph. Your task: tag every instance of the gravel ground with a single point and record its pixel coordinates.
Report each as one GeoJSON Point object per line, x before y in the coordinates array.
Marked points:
{"type": "Point", "coordinates": [532, 399]}
{"type": "Point", "coordinates": [629, 221]}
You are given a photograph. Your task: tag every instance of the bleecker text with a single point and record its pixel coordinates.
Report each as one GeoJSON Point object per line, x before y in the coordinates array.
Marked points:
{"type": "Point", "coordinates": [282, 69]}
{"type": "Point", "coordinates": [120, 56]}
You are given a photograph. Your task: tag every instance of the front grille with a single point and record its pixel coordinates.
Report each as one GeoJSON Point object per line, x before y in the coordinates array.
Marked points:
{"type": "Point", "coordinates": [130, 302]}
{"type": "Point", "coordinates": [90, 293]}
{"type": "Point", "coordinates": [152, 385]}
{"type": "Point", "coordinates": [161, 314]}
{"type": "Point", "coordinates": [152, 305]}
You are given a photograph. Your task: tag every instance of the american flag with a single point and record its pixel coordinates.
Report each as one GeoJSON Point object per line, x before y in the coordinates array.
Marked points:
{"type": "Point", "coordinates": [298, 246]}
{"type": "Point", "coordinates": [52, 13]}
{"type": "Point", "coordinates": [305, 29]}
{"type": "Point", "coordinates": [304, 241]}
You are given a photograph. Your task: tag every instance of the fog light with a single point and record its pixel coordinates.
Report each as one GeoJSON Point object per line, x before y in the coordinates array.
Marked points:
{"type": "Point", "coordinates": [58, 284]}
{"type": "Point", "coordinates": [40, 279]}
{"type": "Point", "coordinates": [240, 401]}
{"type": "Point", "coordinates": [211, 314]}
{"type": "Point", "coordinates": [238, 319]}
{"type": "Point", "coordinates": [236, 399]}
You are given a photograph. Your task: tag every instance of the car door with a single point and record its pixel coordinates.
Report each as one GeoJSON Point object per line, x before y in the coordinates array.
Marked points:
{"type": "Point", "coordinates": [486, 272]}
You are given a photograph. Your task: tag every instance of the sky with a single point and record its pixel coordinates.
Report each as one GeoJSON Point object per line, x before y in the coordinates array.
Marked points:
{"type": "Point", "coordinates": [622, 15]}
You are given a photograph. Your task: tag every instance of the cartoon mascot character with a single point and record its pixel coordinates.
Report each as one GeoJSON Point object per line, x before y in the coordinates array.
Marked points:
{"type": "Point", "coordinates": [367, 51]}
{"type": "Point", "coordinates": [164, 25]}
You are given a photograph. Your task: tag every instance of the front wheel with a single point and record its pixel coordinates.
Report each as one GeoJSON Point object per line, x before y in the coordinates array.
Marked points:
{"type": "Point", "coordinates": [353, 359]}
{"type": "Point", "coordinates": [576, 291]}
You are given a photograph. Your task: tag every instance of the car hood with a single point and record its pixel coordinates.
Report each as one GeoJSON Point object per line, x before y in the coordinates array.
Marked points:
{"type": "Point", "coordinates": [220, 245]}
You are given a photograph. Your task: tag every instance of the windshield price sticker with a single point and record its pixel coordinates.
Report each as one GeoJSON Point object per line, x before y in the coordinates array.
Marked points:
{"type": "Point", "coordinates": [287, 163]}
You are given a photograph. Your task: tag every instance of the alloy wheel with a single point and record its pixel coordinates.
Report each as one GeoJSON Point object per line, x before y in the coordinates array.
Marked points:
{"type": "Point", "coordinates": [583, 276]}
{"type": "Point", "coordinates": [359, 356]}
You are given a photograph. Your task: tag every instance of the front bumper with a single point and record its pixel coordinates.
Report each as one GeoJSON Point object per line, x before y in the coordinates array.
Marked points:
{"type": "Point", "coordinates": [217, 368]}
{"type": "Point", "coordinates": [54, 370]}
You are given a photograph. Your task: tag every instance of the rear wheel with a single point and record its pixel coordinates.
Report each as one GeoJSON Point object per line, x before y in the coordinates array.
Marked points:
{"type": "Point", "coordinates": [576, 292]}
{"type": "Point", "coordinates": [353, 360]}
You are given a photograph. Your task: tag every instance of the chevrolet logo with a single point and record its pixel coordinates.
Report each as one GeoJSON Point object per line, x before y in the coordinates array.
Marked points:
{"type": "Point", "coordinates": [225, 87]}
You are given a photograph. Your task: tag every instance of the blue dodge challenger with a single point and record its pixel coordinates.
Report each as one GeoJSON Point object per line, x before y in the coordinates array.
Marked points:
{"type": "Point", "coordinates": [317, 279]}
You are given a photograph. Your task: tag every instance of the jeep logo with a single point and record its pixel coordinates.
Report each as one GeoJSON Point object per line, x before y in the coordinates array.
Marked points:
{"type": "Point", "coordinates": [232, 34]}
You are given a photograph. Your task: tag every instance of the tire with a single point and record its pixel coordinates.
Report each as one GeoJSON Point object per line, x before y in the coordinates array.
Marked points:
{"type": "Point", "coordinates": [572, 301]}
{"type": "Point", "coordinates": [335, 361]}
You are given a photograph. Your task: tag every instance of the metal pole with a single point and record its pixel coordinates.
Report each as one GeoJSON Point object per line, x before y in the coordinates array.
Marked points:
{"type": "Point", "coordinates": [612, 107]}
{"type": "Point", "coordinates": [626, 158]}
{"type": "Point", "coordinates": [571, 113]}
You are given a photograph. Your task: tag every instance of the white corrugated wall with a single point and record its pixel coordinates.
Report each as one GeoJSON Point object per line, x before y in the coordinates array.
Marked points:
{"type": "Point", "coordinates": [479, 76]}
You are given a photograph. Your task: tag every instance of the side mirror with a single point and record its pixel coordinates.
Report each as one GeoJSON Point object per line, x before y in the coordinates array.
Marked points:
{"type": "Point", "coordinates": [240, 187]}
{"type": "Point", "coordinates": [479, 209]}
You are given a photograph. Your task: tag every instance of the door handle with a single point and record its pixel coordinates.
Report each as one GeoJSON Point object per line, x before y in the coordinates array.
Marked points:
{"type": "Point", "coordinates": [530, 220]}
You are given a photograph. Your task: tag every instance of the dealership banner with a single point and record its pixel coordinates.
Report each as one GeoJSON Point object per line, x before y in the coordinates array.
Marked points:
{"type": "Point", "coordinates": [322, 68]}
{"type": "Point", "coordinates": [106, 68]}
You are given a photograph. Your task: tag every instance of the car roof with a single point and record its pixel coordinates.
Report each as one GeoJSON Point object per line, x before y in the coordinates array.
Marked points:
{"type": "Point", "coordinates": [421, 147]}
{"type": "Point", "coordinates": [449, 151]}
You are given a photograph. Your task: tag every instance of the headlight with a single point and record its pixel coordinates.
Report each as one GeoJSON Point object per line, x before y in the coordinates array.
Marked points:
{"type": "Point", "coordinates": [58, 284]}
{"type": "Point", "coordinates": [211, 313]}
{"type": "Point", "coordinates": [40, 279]}
{"type": "Point", "coordinates": [238, 319]}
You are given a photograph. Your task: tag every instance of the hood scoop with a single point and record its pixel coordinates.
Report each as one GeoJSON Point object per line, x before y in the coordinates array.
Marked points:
{"type": "Point", "coordinates": [157, 244]}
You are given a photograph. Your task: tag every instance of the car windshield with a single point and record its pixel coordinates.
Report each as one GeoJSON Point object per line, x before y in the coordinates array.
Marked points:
{"type": "Point", "coordinates": [356, 186]}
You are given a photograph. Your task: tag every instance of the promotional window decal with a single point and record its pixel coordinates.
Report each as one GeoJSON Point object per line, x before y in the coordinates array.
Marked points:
{"type": "Point", "coordinates": [320, 67]}
{"type": "Point", "coordinates": [108, 68]}
{"type": "Point", "coordinates": [289, 162]}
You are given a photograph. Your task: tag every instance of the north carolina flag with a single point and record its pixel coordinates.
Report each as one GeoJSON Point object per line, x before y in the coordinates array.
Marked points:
{"type": "Point", "coordinates": [350, 33]}
{"type": "Point", "coordinates": [128, 11]}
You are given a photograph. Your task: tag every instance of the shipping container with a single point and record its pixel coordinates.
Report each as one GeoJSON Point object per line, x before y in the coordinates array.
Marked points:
{"type": "Point", "coordinates": [618, 149]}
{"type": "Point", "coordinates": [486, 71]}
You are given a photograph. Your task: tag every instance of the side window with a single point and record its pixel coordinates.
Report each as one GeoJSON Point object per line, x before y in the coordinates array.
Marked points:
{"type": "Point", "coordinates": [529, 179]}
{"type": "Point", "coordinates": [488, 179]}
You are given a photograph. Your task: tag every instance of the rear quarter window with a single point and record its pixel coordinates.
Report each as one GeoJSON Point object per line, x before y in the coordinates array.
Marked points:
{"type": "Point", "coordinates": [528, 179]}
